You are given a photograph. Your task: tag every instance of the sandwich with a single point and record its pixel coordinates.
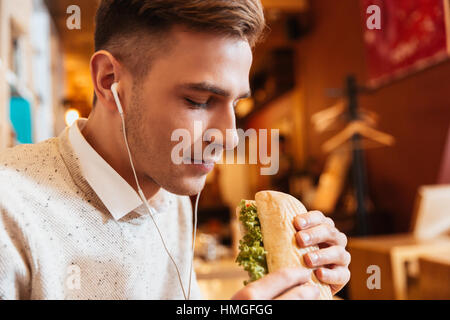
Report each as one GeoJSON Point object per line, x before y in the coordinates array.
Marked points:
{"type": "Point", "coordinates": [269, 241]}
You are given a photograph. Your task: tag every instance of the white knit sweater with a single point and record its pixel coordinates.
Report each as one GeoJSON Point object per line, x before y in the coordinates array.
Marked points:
{"type": "Point", "coordinates": [58, 240]}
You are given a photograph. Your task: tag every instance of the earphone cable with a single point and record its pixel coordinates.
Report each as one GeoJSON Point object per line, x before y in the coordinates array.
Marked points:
{"type": "Point", "coordinates": [142, 196]}
{"type": "Point", "coordinates": [193, 244]}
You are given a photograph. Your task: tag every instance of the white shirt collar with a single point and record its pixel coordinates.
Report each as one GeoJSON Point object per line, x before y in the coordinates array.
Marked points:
{"type": "Point", "coordinates": [115, 193]}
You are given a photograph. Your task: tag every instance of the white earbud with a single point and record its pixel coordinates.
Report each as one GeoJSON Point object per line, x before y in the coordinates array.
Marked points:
{"type": "Point", "coordinates": [116, 97]}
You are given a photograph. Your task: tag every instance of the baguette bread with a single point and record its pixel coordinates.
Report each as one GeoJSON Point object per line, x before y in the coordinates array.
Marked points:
{"type": "Point", "coordinates": [276, 212]}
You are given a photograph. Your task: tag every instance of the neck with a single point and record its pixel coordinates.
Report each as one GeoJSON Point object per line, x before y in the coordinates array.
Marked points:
{"type": "Point", "coordinates": [108, 142]}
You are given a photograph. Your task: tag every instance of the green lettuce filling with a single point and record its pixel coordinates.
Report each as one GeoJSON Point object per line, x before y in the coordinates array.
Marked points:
{"type": "Point", "coordinates": [252, 255]}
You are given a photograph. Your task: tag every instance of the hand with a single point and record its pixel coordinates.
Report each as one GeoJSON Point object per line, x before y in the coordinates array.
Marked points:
{"type": "Point", "coordinates": [284, 284]}
{"type": "Point", "coordinates": [331, 260]}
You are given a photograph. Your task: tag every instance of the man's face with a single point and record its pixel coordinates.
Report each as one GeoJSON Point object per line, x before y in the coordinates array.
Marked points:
{"type": "Point", "coordinates": [200, 79]}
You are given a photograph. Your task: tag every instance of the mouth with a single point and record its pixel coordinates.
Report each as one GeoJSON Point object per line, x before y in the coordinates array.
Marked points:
{"type": "Point", "coordinates": [205, 166]}
{"type": "Point", "coordinates": [199, 161]}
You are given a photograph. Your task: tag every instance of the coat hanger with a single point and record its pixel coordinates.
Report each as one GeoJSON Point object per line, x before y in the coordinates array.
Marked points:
{"type": "Point", "coordinates": [361, 128]}
{"type": "Point", "coordinates": [326, 119]}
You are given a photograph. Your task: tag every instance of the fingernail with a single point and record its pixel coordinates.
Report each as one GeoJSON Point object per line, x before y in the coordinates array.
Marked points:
{"type": "Point", "coordinates": [322, 273]}
{"type": "Point", "coordinates": [302, 222]}
{"type": "Point", "coordinates": [305, 237]}
{"type": "Point", "coordinates": [313, 258]}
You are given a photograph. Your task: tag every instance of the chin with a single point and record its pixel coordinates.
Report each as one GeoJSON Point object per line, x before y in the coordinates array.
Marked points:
{"type": "Point", "coordinates": [186, 186]}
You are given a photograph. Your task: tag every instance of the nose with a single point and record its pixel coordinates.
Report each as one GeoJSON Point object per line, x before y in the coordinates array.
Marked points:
{"type": "Point", "coordinates": [225, 122]}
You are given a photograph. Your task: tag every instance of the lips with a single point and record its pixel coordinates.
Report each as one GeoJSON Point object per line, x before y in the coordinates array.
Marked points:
{"type": "Point", "coordinates": [199, 161]}
{"type": "Point", "coordinates": [203, 166]}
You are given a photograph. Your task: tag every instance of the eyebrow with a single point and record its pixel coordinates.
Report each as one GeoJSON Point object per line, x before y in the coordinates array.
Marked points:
{"type": "Point", "coordinates": [207, 87]}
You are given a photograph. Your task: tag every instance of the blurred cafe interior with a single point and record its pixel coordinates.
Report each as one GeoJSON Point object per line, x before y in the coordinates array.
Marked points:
{"type": "Point", "coordinates": [363, 116]}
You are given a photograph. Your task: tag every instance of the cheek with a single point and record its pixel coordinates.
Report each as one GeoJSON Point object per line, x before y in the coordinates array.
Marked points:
{"type": "Point", "coordinates": [163, 116]}
{"type": "Point", "coordinates": [156, 119]}
{"type": "Point", "coordinates": [192, 122]}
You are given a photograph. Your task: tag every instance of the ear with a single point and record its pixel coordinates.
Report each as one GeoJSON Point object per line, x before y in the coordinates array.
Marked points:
{"type": "Point", "coordinates": [105, 70]}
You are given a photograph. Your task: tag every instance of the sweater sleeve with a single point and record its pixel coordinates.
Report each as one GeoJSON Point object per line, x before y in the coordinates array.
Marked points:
{"type": "Point", "coordinates": [14, 270]}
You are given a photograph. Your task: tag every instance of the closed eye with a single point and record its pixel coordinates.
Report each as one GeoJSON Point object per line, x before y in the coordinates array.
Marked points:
{"type": "Point", "coordinates": [197, 104]}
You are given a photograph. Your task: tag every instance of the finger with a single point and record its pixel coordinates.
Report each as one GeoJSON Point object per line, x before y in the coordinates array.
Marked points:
{"type": "Point", "coordinates": [306, 220]}
{"type": "Point", "coordinates": [321, 234]}
{"type": "Point", "coordinates": [274, 284]}
{"type": "Point", "coordinates": [311, 219]}
{"type": "Point", "coordinates": [303, 292]}
{"type": "Point", "coordinates": [338, 275]}
{"type": "Point", "coordinates": [335, 255]}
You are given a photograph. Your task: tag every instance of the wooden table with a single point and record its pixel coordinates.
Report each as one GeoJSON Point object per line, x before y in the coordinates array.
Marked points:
{"type": "Point", "coordinates": [434, 277]}
{"type": "Point", "coordinates": [392, 254]}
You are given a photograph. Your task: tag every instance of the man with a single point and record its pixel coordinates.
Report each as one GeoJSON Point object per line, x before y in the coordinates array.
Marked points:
{"type": "Point", "coordinates": [72, 225]}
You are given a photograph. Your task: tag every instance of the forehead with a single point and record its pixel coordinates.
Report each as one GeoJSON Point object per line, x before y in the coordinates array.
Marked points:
{"type": "Point", "coordinates": [196, 57]}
